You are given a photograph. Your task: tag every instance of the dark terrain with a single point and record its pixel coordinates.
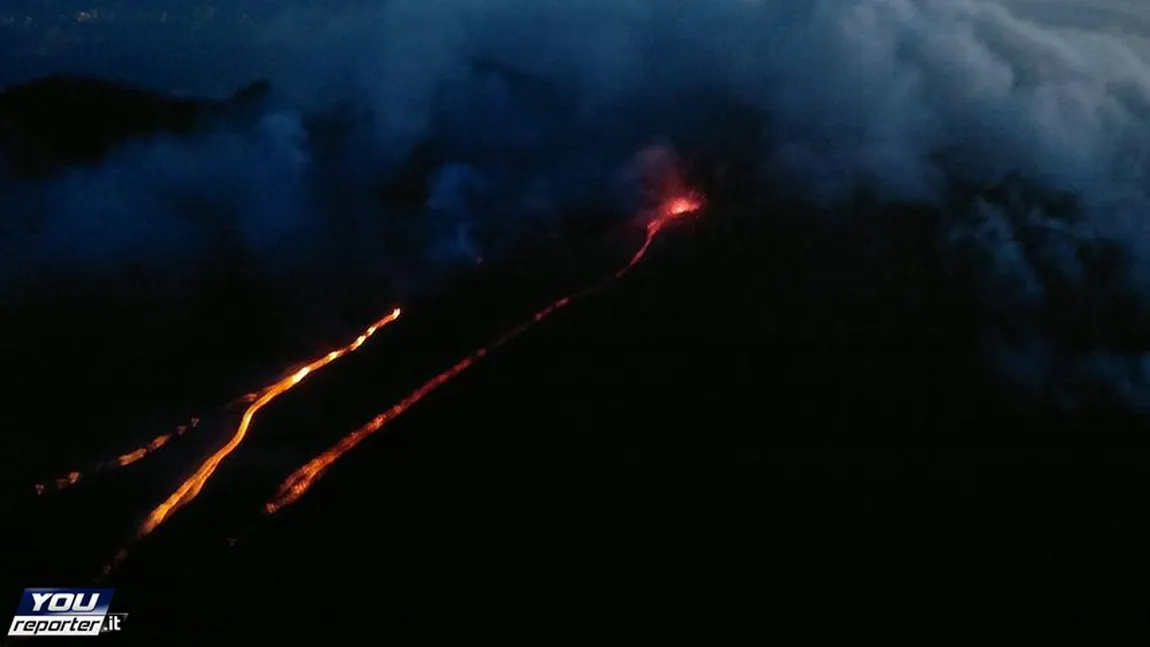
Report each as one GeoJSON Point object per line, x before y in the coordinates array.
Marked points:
{"type": "Point", "coordinates": [767, 394]}
{"type": "Point", "coordinates": [732, 412]}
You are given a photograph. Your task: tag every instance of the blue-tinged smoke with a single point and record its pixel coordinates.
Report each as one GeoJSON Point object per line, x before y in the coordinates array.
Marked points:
{"type": "Point", "coordinates": [522, 114]}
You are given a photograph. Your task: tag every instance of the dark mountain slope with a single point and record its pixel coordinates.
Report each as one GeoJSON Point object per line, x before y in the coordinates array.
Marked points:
{"type": "Point", "coordinates": [64, 120]}
{"type": "Point", "coordinates": [761, 395]}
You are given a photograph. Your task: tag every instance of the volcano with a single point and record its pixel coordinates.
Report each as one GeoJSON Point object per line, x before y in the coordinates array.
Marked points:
{"type": "Point", "coordinates": [496, 328]}
{"type": "Point", "coordinates": [759, 388]}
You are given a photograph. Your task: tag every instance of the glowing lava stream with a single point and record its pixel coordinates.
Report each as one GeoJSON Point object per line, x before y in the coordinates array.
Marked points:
{"type": "Point", "coordinates": [300, 481]}
{"type": "Point", "coordinates": [190, 488]}
{"type": "Point", "coordinates": [72, 478]}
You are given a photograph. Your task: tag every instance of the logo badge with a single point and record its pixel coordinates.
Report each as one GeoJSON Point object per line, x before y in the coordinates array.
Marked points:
{"type": "Point", "coordinates": [65, 612]}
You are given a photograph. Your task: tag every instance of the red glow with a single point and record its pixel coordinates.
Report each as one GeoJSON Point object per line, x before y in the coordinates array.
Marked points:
{"type": "Point", "coordinates": [681, 203]}
{"type": "Point", "coordinates": [675, 207]}
{"type": "Point", "coordinates": [669, 199]}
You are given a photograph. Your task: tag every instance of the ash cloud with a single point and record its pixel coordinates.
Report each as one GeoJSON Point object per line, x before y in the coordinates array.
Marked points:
{"type": "Point", "coordinates": [1029, 140]}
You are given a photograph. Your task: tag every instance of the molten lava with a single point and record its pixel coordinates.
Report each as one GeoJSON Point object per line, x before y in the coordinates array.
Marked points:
{"type": "Point", "coordinates": [190, 488]}
{"type": "Point", "coordinates": [122, 460]}
{"type": "Point", "coordinates": [300, 481]}
{"type": "Point", "coordinates": [666, 190]}
{"type": "Point", "coordinates": [681, 205]}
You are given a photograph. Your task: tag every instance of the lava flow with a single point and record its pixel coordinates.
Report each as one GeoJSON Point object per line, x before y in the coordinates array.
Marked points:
{"type": "Point", "coordinates": [300, 481]}
{"type": "Point", "coordinates": [72, 478]}
{"type": "Point", "coordinates": [190, 488]}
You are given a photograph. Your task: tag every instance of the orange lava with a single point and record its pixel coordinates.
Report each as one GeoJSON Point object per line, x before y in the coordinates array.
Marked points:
{"type": "Point", "coordinates": [71, 479]}
{"type": "Point", "coordinates": [132, 457]}
{"type": "Point", "coordinates": [669, 211]}
{"type": "Point", "coordinates": [75, 477]}
{"type": "Point", "coordinates": [681, 205]}
{"type": "Point", "coordinates": [675, 208]}
{"type": "Point", "coordinates": [190, 488]}
{"type": "Point", "coordinates": [300, 481]}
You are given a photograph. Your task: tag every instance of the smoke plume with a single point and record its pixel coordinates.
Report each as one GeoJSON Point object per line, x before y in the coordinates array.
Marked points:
{"type": "Point", "coordinates": [1029, 142]}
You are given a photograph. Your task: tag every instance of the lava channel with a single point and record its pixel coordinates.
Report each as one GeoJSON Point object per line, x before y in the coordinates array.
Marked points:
{"type": "Point", "coordinates": [190, 488]}
{"type": "Point", "coordinates": [74, 477]}
{"type": "Point", "coordinates": [300, 481]}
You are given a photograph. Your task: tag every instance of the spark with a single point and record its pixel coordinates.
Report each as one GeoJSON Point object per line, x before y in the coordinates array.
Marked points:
{"type": "Point", "coordinates": [300, 481]}
{"type": "Point", "coordinates": [190, 488]}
